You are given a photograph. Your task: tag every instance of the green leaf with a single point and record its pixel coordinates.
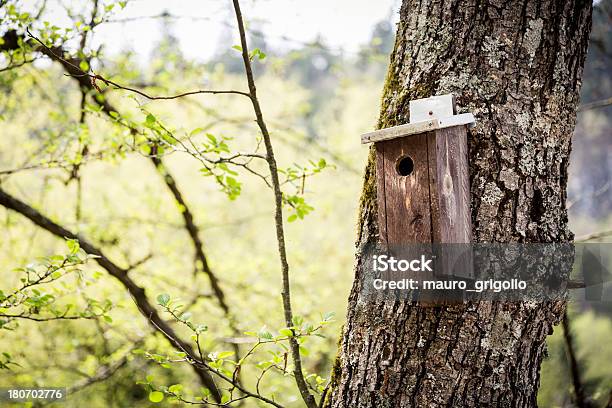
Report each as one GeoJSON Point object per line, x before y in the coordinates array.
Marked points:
{"type": "Point", "coordinates": [297, 320]}
{"type": "Point", "coordinates": [73, 246]}
{"type": "Point", "coordinates": [225, 354]}
{"type": "Point", "coordinates": [163, 299]}
{"type": "Point", "coordinates": [257, 53]}
{"type": "Point", "coordinates": [150, 120]}
{"type": "Point", "coordinates": [286, 332]}
{"type": "Point", "coordinates": [237, 48]}
{"type": "Point", "coordinates": [328, 316]}
{"type": "Point", "coordinates": [84, 66]}
{"type": "Point", "coordinates": [212, 138]}
{"type": "Point", "coordinates": [232, 182]}
{"type": "Point", "coordinates": [156, 396]}
{"type": "Point", "coordinates": [196, 131]}
{"type": "Point", "coordinates": [175, 389]}
{"type": "Point", "coordinates": [264, 334]}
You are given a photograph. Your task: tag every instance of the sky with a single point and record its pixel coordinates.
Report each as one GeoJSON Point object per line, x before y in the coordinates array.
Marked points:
{"type": "Point", "coordinates": [343, 24]}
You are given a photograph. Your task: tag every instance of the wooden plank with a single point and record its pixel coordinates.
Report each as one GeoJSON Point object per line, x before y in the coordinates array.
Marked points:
{"type": "Point", "coordinates": [407, 197]}
{"type": "Point", "coordinates": [399, 131]}
{"type": "Point", "coordinates": [456, 120]}
{"type": "Point", "coordinates": [450, 194]}
{"type": "Point", "coordinates": [452, 185]}
{"type": "Point", "coordinates": [410, 129]}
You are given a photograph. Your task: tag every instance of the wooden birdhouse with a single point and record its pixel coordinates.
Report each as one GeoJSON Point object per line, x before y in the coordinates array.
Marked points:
{"type": "Point", "coordinates": [422, 175]}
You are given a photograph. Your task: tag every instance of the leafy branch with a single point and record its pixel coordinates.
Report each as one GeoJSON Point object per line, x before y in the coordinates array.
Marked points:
{"type": "Point", "coordinates": [75, 67]}
{"type": "Point", "coordinates": [220, 364]}
{"type": "Point", "coordinates": [78, 71]}
{"type": "Point", "coordinates": [121, 274]}
{"type": "Point", "coordinates": [31, 302]}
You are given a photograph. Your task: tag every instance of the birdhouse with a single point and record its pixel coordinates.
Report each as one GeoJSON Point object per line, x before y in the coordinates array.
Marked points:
{"type": "Point", "coordinates": [423, 185]}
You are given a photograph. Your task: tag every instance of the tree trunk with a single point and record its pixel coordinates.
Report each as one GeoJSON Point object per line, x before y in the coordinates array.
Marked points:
{"type": "Point", "coordinates": [517, 66]}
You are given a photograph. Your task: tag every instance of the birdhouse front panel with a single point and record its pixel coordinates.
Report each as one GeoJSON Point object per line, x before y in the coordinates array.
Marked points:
{"type": "Point", "coordinates": [402, 174]}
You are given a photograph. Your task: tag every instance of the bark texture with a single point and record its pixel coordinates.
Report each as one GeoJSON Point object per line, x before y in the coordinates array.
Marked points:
{"type": "Point", "coordinates": [517, 66]}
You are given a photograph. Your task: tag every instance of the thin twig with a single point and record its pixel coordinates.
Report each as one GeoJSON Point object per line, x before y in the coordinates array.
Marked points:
{"type": "Point", "coordinates": [201, 362]}
{"type": "Point", "coordinates": [58, 164]}
{"type": "Point", "coordinates": [46, 319]}
{"type": "Point", "coordinates": [595, 105]}
{"type": "Point", "coordinates": [96, 77]}
{"type": "Point", "coordinates": [103, 374]}
{"type": "Point", "coordinates": [21, 64]}
{"type": "Point", "coordinates": [594, 235]}
{"type": "Point", "coordinates": [278, 203]}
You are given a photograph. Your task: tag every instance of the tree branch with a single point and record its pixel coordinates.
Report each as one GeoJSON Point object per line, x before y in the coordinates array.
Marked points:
{"type": "Point", "coordinates": [75, 71]}
{"type": "Point", "coordinates": [580, 398]}
{"type": "Point", "coordinates": [278, 204]}
{"type": "Point", "coordinates": [137, 292]}
{"type": "Point", "coordinates": [194, 234]}
{"type": "Point", "coordinates": [71, 66]}
{"type": "Point", "coordinates": [86, 79]}
{"type": "Point", "coordinates": [594, 235]}
{"type": "Point", "coordinates": [595, 105]}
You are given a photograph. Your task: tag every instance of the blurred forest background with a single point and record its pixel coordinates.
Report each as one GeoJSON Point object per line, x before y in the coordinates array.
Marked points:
{"type": "Point", "coordinates": [317, 99]}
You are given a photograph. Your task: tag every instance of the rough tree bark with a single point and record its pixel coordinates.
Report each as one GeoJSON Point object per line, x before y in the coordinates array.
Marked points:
{"type": "Point", "coordinates": [517, 66]}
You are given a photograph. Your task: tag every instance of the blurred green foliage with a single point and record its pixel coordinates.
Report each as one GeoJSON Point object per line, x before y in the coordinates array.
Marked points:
{"type": "Point", "coordinates": [316, 101]}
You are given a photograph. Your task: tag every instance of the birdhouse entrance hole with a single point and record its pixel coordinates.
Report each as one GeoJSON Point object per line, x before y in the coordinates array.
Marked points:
{"type": "Point", "coordinates": [405, 166]}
